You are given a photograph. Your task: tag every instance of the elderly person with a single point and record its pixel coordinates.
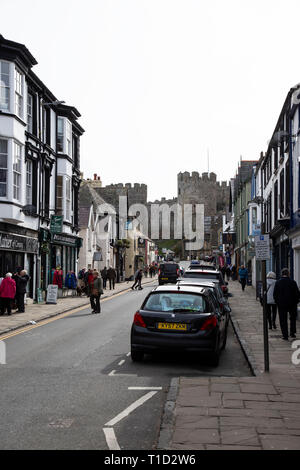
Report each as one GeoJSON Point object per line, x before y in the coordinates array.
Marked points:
{"type": "Point", "coordinates": [95, 289]}
{"type": "Point", "coordinates": [7, 294]}
{"type": "Point", "coordinates": [271, 304]}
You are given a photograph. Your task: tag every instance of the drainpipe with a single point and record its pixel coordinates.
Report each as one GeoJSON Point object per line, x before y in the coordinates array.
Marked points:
{"type": "Point", "coordinates": [291, 189]}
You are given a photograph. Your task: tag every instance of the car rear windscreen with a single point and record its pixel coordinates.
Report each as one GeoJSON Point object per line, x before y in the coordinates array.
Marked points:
{"type": "Point", "coordinates": [169, 268]}
{"type": "Point", "coordinates": [175, 302]}
{"type": "Point", "coordinates": [201, 275]}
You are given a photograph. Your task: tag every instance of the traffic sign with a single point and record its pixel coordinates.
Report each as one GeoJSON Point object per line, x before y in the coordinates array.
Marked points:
{"type": "Point", "coordinates": [262, 247]}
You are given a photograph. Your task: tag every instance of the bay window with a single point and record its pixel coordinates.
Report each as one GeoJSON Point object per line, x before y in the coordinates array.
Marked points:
{"type": "Point", "coordinates": [68, 199]}
{"type": "Point", "coordinates": [30, 113]}
{"type": "Point", "coordinates": [18, 93]}
{"type": "Point", "coordinates": [64, 136]}
{"type": "Point", "coordinates": [60, 134]}
{"type": "Point", "coordinates": [29, 182]}
{"type": "Point", "coordinates": [59, 195]}
{"type": "Point", "coordinates": [3, 167]}
{"type": "Point", "coordinates": [17, 171]}
{"type": "Point", "coordinates": [4, 86]}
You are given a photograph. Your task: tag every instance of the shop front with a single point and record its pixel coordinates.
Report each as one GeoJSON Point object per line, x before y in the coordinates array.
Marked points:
{"type": "Point", "coordinates": [59, 250]}
{"type": "Point", "coordinates": [18, 250]}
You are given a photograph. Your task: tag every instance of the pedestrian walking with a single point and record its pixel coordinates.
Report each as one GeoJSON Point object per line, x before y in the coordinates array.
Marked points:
{"type": "Point", "coordinates": [95, 290]}
{"type": "Point", "coordinates": [111, 276]}
{"type": "Point", "coordinates": [21, 284]}
{"type": "Point", "coordinates": [104, 277]}
{"type": "Point", "coordinates": [233, 272]}
{"type": "Point", "coordinates": [228, 272]}
{"type": "Point", "coordinates": [271, 304]}
{"type": "Point", "coordinates": [287, 295]}
{"type": "Point", "coordinates": [137, 280]}
{"type": "Point", "coordinates": [7, 293]}
{"type": "Point", "coordinates": [243, 275]}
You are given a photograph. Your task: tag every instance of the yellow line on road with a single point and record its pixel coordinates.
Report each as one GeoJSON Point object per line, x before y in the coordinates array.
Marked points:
{"type": "Point", "coordinates": [59, 316]}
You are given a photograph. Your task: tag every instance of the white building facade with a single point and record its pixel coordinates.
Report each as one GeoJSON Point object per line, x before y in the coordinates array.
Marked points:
{"type": "Point", "coordinates": [39, 172]}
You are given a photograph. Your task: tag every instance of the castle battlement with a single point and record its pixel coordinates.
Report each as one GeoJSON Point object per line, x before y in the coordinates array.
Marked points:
{"type": "Point", "coordinates": [195, 177]}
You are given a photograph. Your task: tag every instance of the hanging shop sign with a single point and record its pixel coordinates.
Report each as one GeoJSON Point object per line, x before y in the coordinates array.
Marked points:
{"type": "Point", "coordinates": [56, 223]}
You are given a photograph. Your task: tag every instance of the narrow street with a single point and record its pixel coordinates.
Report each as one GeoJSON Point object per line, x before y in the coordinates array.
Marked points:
{"type": "Point", "coordinates": [66, 382]}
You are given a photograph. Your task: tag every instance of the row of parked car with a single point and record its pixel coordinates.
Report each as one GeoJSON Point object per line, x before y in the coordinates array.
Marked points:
{"type": "Point", "coordinates": [188, 311]}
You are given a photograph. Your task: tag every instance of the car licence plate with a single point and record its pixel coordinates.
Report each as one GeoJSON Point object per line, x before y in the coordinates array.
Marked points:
{"type": "Point", "coordinates": [172, 326]}
{"type": "Point", "coordinates": [164, 278]}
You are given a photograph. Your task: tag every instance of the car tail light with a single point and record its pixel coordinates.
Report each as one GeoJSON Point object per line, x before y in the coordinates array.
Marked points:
{"type": "Point", "coordinates": [159, 272]}
{"type": "Point", "coordinates": [224, 288]}
{"type": "Point", "coordinates": [138, 320]}
{"type": "Point", "coordinates": [178, 272]}
{"type": "Point", "coordinates": [209, 324]}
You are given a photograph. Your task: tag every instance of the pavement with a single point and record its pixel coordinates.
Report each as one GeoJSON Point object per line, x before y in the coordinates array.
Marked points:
{"type": "Point", "coordinates": [38, 312]}
{"type": "Point", "coordinates": [260, 412]}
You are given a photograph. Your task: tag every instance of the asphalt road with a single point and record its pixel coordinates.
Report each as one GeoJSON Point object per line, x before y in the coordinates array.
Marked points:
{"type": "Point", "coordinates": [65, 381]}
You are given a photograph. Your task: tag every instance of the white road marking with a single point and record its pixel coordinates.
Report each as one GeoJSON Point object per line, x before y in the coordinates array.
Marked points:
{"type": "Point", "coordinates": [129, 354]}
{"type": "Point", "coordinates": [121, 362]}
{"type": "Point", "coordinates": [144, 388]}
{"type": "Point", "coordinates": [113, 374]}
{"type": "Point", "coordinates": [111, 439]}
{"type": "Point", "coordinates": [130, 408]}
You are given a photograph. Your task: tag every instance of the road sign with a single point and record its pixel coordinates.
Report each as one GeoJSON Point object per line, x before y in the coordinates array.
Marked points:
{"type": "Point", "coordinates": [262, 247]}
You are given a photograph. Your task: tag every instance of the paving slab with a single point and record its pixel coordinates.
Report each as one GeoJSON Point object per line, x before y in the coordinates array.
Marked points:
{"type": "Point", "coordinates": [243, 413]}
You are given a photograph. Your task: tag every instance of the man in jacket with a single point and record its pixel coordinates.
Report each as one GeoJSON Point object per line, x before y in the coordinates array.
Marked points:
{"type": "Point", "coordinates": [104, 277]}
{"type": "Point", "coordinates": [21, 283]}
{"type": "Point", "coordinates": [95, 290]}
{"type": "Point", "coordinates": [111, 276]}
{"type": "Point", "coordinates": [287, 295]}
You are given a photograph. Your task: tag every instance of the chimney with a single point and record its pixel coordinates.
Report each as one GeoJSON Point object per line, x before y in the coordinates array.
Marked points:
{"type": "Point", "coordinates": [95, 176]}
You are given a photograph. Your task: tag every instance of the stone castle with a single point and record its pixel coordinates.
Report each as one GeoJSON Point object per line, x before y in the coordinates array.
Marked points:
{"type": "Point", "coordinates": [191, 189]}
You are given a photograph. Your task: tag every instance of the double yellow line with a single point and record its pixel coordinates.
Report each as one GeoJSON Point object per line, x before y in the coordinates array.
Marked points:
{"type": "Point", "coordinates": [59, 316]}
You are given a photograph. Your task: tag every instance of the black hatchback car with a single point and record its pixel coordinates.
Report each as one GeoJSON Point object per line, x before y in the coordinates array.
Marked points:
{"type": "Point", "coordinates": [168, 273]}
{"type": "Point", "coordinates": [179, 318]}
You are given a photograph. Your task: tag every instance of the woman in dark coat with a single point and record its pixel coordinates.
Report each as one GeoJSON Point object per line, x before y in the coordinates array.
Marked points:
{"type": "Point", "coordinates": [21, 284]}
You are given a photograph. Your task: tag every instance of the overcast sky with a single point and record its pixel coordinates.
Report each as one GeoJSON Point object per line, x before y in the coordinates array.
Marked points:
{"type": "Point", "coordinates": [162, 83]}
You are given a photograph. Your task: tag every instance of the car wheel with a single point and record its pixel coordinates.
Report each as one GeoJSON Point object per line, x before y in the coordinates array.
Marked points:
{"type": "Point", "coordinates": [137, 356]}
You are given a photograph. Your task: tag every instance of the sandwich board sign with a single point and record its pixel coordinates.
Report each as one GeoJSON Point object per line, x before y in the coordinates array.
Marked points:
{"type": "Point", "coordinates": [52, 291]}
{"type": "Point", "coordinates": [262, 247]}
